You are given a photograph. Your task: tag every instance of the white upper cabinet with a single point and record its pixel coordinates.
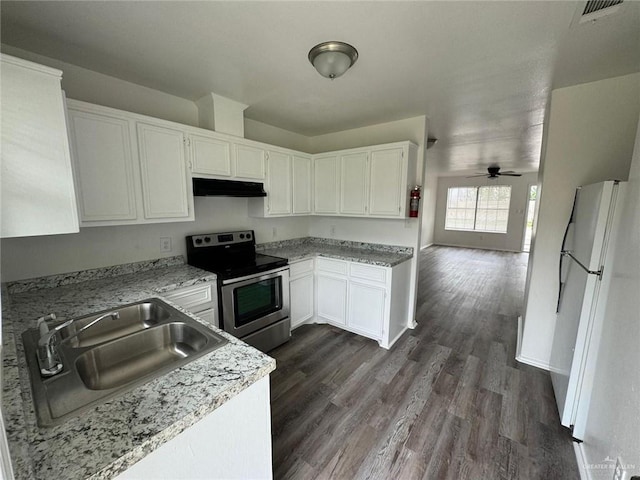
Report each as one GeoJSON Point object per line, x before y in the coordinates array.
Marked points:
{"type": "Point", "coordinates": [38, 195]}
{"type": "Point", "coordinates": [210, 156]}
{"type": "Point", "coordinates": [163, 171]}
{"type": "Point", "coordinates": [278, 183]}
{"type": "Point", "coordinates": [388, 184]}
{"type": "Point", "coordinates": [302, 185]}
{"type": "Point", "coordinates": [223, 156]}
{"type": "Point", "coordinates": [373, 181]}
{"type": "Point", "coordinates": [353, 183]}
{"type": "Point", "coordinates": [249, 162]}
{"type": "Point", "coordinates": [288, 185]}
{"type": "Point", "coordinates": [129, 169]}
{"type": "Point", "coordinates": [104, 166]}
{"type": "Point", "coordinates": [325, 184]}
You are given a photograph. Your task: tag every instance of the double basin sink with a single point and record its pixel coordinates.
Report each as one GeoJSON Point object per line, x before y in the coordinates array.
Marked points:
{"type": "Point", "coordinates": [149, 339]}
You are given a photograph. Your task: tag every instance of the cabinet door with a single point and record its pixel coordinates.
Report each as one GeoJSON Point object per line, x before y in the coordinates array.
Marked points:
{"type": "Point", "coordinates": [210, 156]}
{"type": "Point", "coordinates": [302, 186]}
{"type": "Point", "coordinates": [249, 162]}
{"type": "Point", "coordinates": [210, 316]}
{"type": "Point", "coordinates": [366, 309]}
{"type": "Point", "coordinates": [301, 298]}
{"type": "Point", "coordinates": [36, 184]}
{"type": "Point", "coordinates": [353, 183]}
{"type": "Point", "coordinates": [387, 188]}
{"type": "Point", "coordinates": [332, 299]}
{"type": "Point", "coordinates": [325, 185]}
{"type": "Point", "coordinates": [163, 170]}
{"type": "Point", "coordinates": [103, 156]}
{"type": "Point", "coordinates": [278, 183]}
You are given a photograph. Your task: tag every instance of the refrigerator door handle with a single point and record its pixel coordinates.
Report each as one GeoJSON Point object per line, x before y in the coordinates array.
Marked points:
{"type": "Point", "coordinates": [567, 253]}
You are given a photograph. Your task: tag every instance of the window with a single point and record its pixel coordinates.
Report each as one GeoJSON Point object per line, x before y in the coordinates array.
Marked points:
{"type": "Point", "coordinates": [484, 209]}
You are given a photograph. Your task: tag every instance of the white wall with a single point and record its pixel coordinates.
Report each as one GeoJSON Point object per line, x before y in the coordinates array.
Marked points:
{"type": "Point", "coordinates": [104, 246]}
{"type": "Point", "coordinates": [89, 86]}
{"type": "Point", "coordinates": [428, 205]}
{"type": "Point", "coordinates": [510, 241]}
{"type": "Point", "coordinates": [590, 138]}
{"type": "Point", "coordinates": [613, 424]}
{"type": "Point", "coordinates": [261, 132]}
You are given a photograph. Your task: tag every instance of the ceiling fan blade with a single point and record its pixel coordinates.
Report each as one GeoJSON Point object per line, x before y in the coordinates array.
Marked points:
{"type": "Point", "coordinates": [510, 174]}
{"type": "Point", "coordinates": [480, 175]}
{"type": "Point", "coordinates": [508, 171]}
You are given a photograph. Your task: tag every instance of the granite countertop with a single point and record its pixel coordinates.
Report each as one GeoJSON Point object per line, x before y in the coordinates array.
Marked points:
{"type": "Point", "coordinates": [113, 436]}
{"type": "Point", "coordinates": [369, 253]}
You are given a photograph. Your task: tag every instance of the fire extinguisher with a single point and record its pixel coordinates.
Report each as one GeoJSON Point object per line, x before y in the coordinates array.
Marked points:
{"type": "Point", "coordinates": [415, 201]}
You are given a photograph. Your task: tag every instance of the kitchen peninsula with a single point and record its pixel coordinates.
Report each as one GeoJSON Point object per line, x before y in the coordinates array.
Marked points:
{"type": "Point", "coordinates": [108, 440]}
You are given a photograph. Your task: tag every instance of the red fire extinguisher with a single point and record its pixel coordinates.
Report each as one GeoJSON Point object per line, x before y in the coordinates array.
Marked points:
{"type": "Point", "coordinates": [415, 201]}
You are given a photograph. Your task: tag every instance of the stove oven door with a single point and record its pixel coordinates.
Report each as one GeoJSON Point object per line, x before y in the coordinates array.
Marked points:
{"type": "Point", "coordinates": [254, 302]}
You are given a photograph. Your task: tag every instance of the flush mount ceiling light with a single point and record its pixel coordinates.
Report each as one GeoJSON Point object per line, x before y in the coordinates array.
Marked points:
{"type": "Point", "coordinates": [332, 59]}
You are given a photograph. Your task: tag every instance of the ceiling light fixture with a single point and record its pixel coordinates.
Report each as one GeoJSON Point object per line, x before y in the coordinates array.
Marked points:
{"type": "Point", "coordinates": [332, 59]}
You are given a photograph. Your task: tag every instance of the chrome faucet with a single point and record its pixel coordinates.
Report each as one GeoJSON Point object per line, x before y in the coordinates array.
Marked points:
{"type": "Point", "coordinates": [48, 357]}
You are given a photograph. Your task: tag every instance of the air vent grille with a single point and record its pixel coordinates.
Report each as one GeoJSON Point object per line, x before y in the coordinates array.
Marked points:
{"type": "Point", "coordinates": [597, 5]}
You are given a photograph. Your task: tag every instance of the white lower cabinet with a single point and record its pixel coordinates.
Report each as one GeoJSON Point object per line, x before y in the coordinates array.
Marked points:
{"type": "Point", "coordinates": [301, 288]}
{"type": "Point", "coordinates": [367, 308]}
{"type": "Point", "coordinates": [370, 300]}
{"type": "Point", "coordinates": [200, 299]}
{"type": "Point", "coordinates": [332, 299]}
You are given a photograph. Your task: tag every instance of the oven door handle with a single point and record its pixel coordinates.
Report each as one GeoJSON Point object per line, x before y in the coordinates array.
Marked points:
{"type": "Point", "coordinates": [256, 276]}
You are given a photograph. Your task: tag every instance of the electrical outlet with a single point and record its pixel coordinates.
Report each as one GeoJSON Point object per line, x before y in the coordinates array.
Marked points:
{"type": "Point", "coordinates": [332, 231]}
{"type": "Point", "coordinates": [274, 232]}
{"type": "Point", "coordinates": [165, 244]}
{"type": "Point", "coordinates": [618, 473]}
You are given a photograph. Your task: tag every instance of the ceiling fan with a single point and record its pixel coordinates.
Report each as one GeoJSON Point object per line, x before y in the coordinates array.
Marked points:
{"type": "Point", "coordinates": [494, 172]}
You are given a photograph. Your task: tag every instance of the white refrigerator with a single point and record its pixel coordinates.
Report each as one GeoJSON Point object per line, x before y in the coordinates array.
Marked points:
{"type": "Point", "coordinates": [581, 299]}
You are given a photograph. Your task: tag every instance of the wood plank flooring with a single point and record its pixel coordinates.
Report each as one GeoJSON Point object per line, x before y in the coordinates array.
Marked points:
{"type": "Point", "coordinates": [448, 401]}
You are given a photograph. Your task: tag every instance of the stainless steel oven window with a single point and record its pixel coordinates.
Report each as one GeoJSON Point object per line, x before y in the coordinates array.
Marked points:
{"type": "Point", "coordinates": [256, 300]}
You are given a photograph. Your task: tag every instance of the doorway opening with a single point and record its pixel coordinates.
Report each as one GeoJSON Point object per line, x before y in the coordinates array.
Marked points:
{"type": "Point", "coordinates": [528, 226]}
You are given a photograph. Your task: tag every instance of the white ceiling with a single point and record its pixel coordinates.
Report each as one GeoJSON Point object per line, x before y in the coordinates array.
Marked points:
{"type": "Point", "coordinates": [481, 71]}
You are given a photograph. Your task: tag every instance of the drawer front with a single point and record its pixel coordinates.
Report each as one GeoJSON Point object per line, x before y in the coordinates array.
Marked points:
{"type": "Point", "coordinates": [332, 266]}
{"type": "Point", "coordinates": [300, 268]}
{"type": "Point", "coordinates": [190, 298]}
{"type": "Point", "coordinates": [372, 273]}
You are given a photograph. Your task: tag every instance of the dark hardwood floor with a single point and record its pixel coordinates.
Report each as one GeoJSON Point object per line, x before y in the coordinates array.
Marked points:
{"type": "Point", "coordinates": [448, 401]}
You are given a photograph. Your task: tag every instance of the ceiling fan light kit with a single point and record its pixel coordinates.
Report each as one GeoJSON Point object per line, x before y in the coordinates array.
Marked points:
{"type": "Point", "coordinates": [494, 172]}
{"type": "Point", "coordinates": [332, 59]}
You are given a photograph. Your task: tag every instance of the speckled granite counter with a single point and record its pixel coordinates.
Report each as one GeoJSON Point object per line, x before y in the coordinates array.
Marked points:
{"type": "Point", "coordinates": [110, 438]}
{"type": "Point", "coordinates": [371, 253]}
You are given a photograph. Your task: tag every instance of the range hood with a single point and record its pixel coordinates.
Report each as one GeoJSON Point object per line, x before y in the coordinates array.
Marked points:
{"type": "Point", "coordinates": [206, 187]}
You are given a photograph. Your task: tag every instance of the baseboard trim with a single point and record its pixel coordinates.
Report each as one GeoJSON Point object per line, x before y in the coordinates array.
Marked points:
{"type": "Point", "coordinates": [426, 246]}
{"type": "Point", "coordinates": [581, 458]}
{"type": "Point", "coordinates": [477, 247]}
{"type": "Point", "coordinates": [533, 362]}
{"type": "Point", "coordinates": [392, 342]}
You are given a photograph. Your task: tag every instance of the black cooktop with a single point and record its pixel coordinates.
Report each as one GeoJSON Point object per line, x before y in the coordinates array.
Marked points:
{"type": "Point", "coordinates": [229, 254]}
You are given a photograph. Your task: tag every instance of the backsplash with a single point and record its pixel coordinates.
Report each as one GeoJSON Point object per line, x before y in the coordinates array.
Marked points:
{"type": "Point", "coordinates": [61, 279]}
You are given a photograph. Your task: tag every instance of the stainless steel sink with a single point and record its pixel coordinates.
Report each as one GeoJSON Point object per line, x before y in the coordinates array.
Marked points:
{"type": "Point", "coordinates": [133, 318]}
{"type": "Point", "coordinates": [154, 340]}
{"type": "Point", "coordinates": [117, 363]}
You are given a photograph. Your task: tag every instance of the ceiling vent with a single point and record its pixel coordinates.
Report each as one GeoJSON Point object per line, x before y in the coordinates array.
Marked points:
{"type": "Point", "coordinates": [595, 9]}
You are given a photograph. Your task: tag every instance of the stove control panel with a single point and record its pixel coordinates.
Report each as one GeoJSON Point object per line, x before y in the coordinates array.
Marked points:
{"type": "Point", "coordinates": [222, 238]}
